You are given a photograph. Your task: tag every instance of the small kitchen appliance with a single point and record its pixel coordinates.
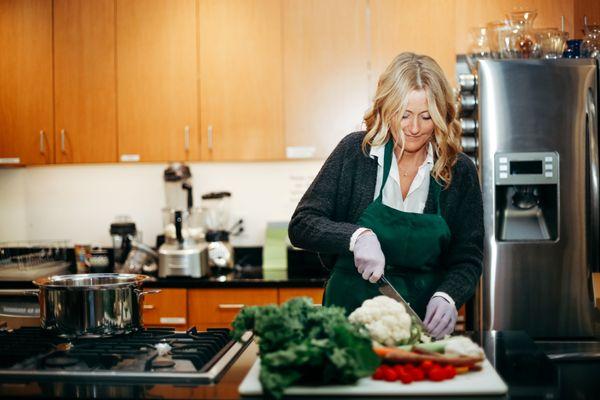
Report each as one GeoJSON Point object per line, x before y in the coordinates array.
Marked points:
{"type": "Point", "coordinates": [216, 220]}
{"type": "Point", "coordinates": [123, 233]}
{"type": "Point", "coordinates": [181, 254]}
{"type": "Point", "coordinates": [178, 187]}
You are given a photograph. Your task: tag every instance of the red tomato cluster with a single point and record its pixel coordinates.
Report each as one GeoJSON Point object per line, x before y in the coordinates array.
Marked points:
{"type": "Point", "coordinates": [407, 373]}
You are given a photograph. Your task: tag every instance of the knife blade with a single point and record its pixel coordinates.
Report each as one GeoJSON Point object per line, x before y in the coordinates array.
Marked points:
{"type": "Point", "coordinates": [386, 288]}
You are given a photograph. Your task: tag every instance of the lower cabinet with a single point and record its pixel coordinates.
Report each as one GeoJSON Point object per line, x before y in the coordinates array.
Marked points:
{"type": "Point", "coordinates": [166, 308]}
{"type": "Point", "coordinates": [316, 294]}
{"type": "Point", "coordinates": [216, 308]}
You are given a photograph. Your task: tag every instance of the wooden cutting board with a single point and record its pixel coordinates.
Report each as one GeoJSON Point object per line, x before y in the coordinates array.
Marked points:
{"type": "Point", "coordinates": [484, 382]}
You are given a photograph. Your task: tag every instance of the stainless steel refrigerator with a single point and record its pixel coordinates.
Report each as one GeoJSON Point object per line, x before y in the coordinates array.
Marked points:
{"type": "Point", "coordinates": [538, 158]}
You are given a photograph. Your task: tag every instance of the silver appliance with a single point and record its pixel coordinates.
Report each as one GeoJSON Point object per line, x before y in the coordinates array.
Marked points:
{"type": "Point", "coordinates": [539, 170]}
{"type": "Point", "coordinates": [181, 254]}
{"type": "Point", "coordinates": [178, 186]}
{"type": "Point", "coordinates": [106, 367]}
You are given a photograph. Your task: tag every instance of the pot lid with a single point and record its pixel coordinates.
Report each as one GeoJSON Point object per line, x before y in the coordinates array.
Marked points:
{"type": "Point", "coordinates": [90, 281]}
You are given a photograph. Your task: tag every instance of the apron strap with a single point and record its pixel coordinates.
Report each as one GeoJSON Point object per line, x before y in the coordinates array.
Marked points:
{"type": "Point", "coordinates": [387, 166]}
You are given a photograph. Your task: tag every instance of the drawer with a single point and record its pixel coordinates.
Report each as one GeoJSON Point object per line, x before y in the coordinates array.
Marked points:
{"type": "Point", "coordinates": [169, 308]}
{"type": "Point", "coordinates": [316, 294]}
{"type": "Point", "coordinates": [218, 307]}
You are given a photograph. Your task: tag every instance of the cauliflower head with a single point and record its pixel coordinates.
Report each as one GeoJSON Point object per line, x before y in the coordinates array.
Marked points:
{"type": "Point", "coordinates": [387, 321]}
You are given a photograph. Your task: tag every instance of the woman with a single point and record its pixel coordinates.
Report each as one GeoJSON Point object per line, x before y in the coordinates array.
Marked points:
{"type": "Point", "coordinates": [401, 200]}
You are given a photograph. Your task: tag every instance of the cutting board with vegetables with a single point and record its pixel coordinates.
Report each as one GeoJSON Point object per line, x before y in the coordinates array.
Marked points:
{"type": "Point", "coordinates": [484, 382]}
{"type": "Point", "coordinates": [377, 350]}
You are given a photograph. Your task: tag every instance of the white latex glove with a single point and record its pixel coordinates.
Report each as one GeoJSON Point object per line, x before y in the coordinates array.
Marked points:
{"type": "Point", "coordinates": [368, 257]}
{"type": "Point", "coordinates": [440, 317]}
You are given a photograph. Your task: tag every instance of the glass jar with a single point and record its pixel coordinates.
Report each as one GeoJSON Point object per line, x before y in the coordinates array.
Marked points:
{"type": "Point", "coordinates": [492, 37]}
{"type": "Point", "coordinates": [523, 41]}
{"type": "Point", "coordinates": [551, 42]}
{"type": "Point", "coordinates": [478, 47]}
{"type": "Point", "coordinates": [590, 46]}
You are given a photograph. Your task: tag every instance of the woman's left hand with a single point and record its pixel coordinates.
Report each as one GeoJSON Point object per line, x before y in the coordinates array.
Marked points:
{"type": "Point", "coordinates": [440, 317]}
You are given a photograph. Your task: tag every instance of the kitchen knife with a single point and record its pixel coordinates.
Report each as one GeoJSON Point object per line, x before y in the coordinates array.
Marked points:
{"type": "Point", "coordinates": [386, 288]}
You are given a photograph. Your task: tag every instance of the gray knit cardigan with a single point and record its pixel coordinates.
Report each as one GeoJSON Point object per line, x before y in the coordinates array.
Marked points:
{"type": "Point", "coordinates": [326, 216]}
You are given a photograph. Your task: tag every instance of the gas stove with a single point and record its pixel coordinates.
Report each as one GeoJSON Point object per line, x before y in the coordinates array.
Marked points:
{"type": "Point", "coordinates": [153, 355]}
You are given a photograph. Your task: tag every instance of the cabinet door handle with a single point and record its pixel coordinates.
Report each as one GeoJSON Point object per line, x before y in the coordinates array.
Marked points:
{"type": "Point", "coordinates": [209, 142]}
{"type": "Point", "coordinates": [62, 141]}
{"type": "Point", "coordinates": [231, 306]}
{"type": "Point", "coordinates": [186, 137]}
{"type": "Point", "coordinates": [149, 307]}
{"type": "Point", "coordinates": [42, 142]}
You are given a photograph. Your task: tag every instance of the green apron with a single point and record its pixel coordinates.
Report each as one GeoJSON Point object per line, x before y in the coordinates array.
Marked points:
{"type": "Point", "coordinates": [412, 244]}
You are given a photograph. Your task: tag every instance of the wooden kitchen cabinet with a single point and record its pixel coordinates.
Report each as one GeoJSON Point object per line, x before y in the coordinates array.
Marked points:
{"type": "Point", "coordinates": [421, 27]}
{"type": "Point", "coordinates": [240, 72]}
{"type": "Point", "coordinates": [316, 294]}
{"type": "Point", "coordinates": [325, 73]}
{"type": "Point", "coordinates": [215, 308]}
{"type": "Point", "coordinates": [156, 80]}
{"type": "Point", "coordinates": [167, 308]}
{"type": "Point", "coordinates": [85, 81]}
{"type": "Point", "coordinates": [26, 115]}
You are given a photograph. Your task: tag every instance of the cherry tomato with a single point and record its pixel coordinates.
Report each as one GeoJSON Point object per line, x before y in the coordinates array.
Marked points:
{"type": "Point", "coordinates": [378, 375]}
{"type": "Point", "coordinates": [426, 365]}
{"type": "Point", "coordinates": [399, 368]}
{"type": "Point", "coordinates": [449, 371]}
{"type": "Point", "coordinates": [390, 375]}
{"type": "Point", "coordinates": [405, 377]}
{"type": "Point", "coordinates": [417, 374]}
{"type": "Point", "coordinates": [436, 374]}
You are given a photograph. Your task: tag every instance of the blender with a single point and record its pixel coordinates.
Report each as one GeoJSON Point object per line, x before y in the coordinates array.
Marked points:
{"type": "Point", "coordinates": [123, 233]}
{"type": "Point", "coordinates": [216, 217]}
{"type": "Point", "coordinates": [178, 187]}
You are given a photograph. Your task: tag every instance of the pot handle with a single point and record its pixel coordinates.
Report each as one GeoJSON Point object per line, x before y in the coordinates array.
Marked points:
{"type": "Point", "coordinates": [20, 292]}
{"type": "Point", "coordinates": [145, 292]}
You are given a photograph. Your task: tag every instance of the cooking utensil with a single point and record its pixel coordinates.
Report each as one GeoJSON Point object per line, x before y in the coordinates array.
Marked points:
{"type": "Point", "coordinates": [91, 304]}
{"type": "Point", "coordinates": [386, 288]}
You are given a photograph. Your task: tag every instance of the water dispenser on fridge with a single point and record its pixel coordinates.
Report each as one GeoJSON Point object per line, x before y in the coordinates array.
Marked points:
{"type": "Point", "coordinates": [527, 202]}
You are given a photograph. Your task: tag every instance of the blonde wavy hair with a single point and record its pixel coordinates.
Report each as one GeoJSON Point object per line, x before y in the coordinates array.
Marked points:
{"type": "Point", "coordinates": [408, 72]}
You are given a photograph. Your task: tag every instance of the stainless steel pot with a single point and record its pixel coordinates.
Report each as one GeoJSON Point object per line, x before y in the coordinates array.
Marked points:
{"type": "Point", "coordinates": [92, 304]}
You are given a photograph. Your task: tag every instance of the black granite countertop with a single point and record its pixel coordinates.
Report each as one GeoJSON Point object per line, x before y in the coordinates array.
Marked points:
{"type": "Point", "coordinates": [240, 277]}
{"type": "Point", "coordinates": [527, 371]}
{"type": "Point", "coordinates": [303, 270]}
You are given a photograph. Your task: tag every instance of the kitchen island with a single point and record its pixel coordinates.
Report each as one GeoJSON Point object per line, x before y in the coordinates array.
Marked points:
{"type": "Point", "coordinates": [527, 372]}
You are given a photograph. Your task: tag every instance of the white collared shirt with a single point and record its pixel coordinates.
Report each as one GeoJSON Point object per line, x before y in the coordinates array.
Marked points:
{"type": "Point", "coordinates": [392, 193]}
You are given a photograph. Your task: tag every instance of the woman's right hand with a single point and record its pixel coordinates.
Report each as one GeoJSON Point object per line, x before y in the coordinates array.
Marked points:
{"type": "Point", "coordinates": [368, 257]}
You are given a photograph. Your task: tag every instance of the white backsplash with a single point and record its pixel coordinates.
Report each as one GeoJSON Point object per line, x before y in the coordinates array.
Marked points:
{"type": "Point", "coordinates": [79, 202]}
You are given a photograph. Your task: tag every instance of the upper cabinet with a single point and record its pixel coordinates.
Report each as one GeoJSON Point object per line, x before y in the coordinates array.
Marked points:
{"type": "Point", "coordinates": [26, 119]}
{"type": "Point", "coordinates": [417, 26]}
{"type": "Point", "coordinates": [85, 81]}
{"type": "Point", "coordinates": [217, 80]}
{"type": "Point", "coordinates": [325, 68]}
{"type": "Point", "coordinates": [240, 72]}
{"type": "Point", "coordinates": [156, 80]}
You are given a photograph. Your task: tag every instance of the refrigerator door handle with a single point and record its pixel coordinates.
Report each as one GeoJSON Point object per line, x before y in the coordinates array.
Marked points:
{"type": "Point", "coordinates": [592, 137]}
